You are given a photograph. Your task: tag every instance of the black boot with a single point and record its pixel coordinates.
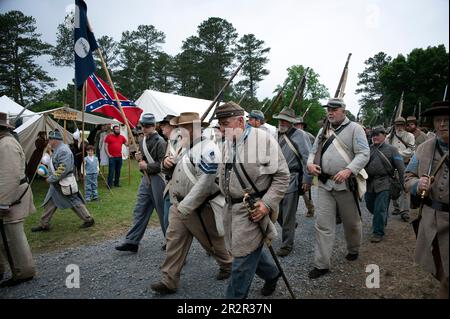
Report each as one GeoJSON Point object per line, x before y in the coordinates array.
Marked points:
{"type": "Point", "coordinates": [270, 286]}
{"type": "Point", "coordinates": [128, 247]}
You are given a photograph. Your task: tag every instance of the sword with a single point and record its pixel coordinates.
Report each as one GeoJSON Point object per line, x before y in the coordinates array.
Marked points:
{"type": "Point", "coordinates": [249, 202]}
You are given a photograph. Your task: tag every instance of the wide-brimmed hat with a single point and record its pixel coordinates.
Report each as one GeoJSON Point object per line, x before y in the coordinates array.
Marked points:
{"type": "Point", "coordinates": [166, 119]}
{"type": "Point", "coordinates": [187, 118]}
{"type": "Point", "coordinates": [4, 120]}
{"type": "Point", "coordinates": [437, 108]}
{"type": "Point", "coordinates": [400, 120]}
{"type": "Point", "coordinates": [286, 114]}
{"type": "Point", "coordinates": [335, 103]}
{"type": "Point", "coordinates": [229, 109]}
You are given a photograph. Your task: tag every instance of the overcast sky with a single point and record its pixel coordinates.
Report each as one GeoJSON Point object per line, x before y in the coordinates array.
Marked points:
{"type": "Point", "coordinates": [318, 34]}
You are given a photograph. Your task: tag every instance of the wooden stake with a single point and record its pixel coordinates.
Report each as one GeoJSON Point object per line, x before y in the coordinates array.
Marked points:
{"type": "Point", "coordinates": [83, 104]}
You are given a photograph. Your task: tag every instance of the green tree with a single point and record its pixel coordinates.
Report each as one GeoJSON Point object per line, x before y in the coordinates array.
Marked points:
{"type": "Point", "coordinates": [164, 73]}
{"type": "Point", "coordinates": [187, 68]}
{"type": "Point", "coordinates": [110, 51]}
{"type": "Point", "coordinates": [20, 76]}
{"type": "Point", "coordinates": [371, 88]}
{"type": "Point", "coordinates": [252, 51]}
{"type": "Point", "coordinates": [62, 53]}
{"type": "Point", "coordinates": [313, 93]}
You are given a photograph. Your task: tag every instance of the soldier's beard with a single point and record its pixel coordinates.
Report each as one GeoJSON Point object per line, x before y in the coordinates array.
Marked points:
{"type": "Point", "coordinates": [283, 129]}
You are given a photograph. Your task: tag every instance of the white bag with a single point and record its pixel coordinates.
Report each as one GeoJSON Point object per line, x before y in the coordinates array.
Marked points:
{"type": "Point", "coordinates": [69, 185]}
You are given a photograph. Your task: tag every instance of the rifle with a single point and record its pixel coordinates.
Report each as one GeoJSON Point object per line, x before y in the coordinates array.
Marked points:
{"type": "Point", "coordinates": [306, 112]}
{"type": "Point", "coordinates": [220, 93]}
{"type": "Point", "coordinates": [299, 90]}
{"type": "Point", "coordinates": [397, 112]}
{"type": "Point", "coordinates": [445, 93]}
{"type": "Point", "coordinates": [243, 97]}
{"type": "Point", "coordinates": [250, 202]}
{"type": "Point", "coordinates": [276, 101]}
{"type": "Point", "coordinates": [340, 92]}
{"type": "Point", "coordinates": [419, 119]}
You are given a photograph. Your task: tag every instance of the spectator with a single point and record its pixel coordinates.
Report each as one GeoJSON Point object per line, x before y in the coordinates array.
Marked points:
{"type": "Point", "coordinates": [113, 147]}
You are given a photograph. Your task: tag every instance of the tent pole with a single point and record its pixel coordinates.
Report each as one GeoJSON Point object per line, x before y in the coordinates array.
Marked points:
{"type": "Point", "coordinates": [83, 103]}
{"type": "Point", "coordinates": [65, 132]}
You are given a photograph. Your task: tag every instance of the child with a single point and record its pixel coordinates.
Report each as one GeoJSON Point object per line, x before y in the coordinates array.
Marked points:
{"type": "Point", "coordinates": [91, 166]}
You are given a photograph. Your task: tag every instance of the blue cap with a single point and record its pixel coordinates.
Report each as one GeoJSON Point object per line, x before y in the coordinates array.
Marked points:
{"type": "Point", "coordinates": [148, 119]}
{"type": "Point", "coordinates": [256, 114]}
{"type": "Point", "coordinates": [55, 135]}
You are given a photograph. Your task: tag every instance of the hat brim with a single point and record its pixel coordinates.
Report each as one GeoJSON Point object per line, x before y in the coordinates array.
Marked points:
{"type": "Point", "coordinates": [175, 122]}
{"type": "Point", "coordinates": [284, 117]}
{"type": "Point", "coordinates": [436, 111]}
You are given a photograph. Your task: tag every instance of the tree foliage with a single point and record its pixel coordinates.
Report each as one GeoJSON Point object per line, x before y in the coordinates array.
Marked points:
{"type": "Point", "coordinates": [21, 77]}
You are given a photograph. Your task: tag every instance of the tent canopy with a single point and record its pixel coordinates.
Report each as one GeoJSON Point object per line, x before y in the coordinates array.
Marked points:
{"type": "Point", "coordinates": [88, 117]}
{"type": "Point", "coordinates": [161, 104]}
{"type": "Point", "coordinates": [11, 108]}
{"type": "Point", "coordinates": [29, 130]}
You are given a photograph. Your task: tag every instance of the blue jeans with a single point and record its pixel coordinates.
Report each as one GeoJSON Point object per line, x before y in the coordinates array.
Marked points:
{"type": "Point", "coordinates": [167, 205]}
{"type": "Point", "coordinates": [243, 270]}
{"type": "Point", "coordinates": [91, 186]}
{"type": "Point", "coordinates": [378, 205]}
{"type": "Point", "coordinates": [115, 165]}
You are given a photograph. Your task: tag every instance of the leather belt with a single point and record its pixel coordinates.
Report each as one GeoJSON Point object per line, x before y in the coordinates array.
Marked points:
{"type": "Point", "coordinates": [436, 205]}
{"type": "Point", "coordinates": [241, 199]}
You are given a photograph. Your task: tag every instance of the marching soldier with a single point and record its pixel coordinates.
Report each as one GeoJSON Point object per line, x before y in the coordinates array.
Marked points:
{"type": "Point", "coordinates": [427, 178]}
{"type": "Point", "coordinates": [384, 159]}
{"type": "Point", "coordinates": [344, 153]}
{"type": "Point", "coordinates": [256, 119]}
{"type": "Point", "coordinates": [411, 127]}
{"type": "Point", "coordinates": [150, 193]}
{"type": "Point", "coordinates": [61, 171]}
{"type": "Point", "coordinates": [191, 215]}
{"type": "Point", "coordinates": [252, 164]}
{"type": "Point", "coordinates": [16, 202]}
{"type": "Point", "coordinates": [295, 146]}
{"type": "Point", "coordinates": [405, 144]}
{"type": "Point", "coordinates": [300, 124]}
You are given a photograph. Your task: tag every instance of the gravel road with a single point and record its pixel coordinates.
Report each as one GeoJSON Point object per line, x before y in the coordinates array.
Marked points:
{"type": "Point", "coordinates": [107, 273]}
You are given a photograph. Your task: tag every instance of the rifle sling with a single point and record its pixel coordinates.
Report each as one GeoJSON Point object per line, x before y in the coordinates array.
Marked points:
{"type": "Point", "coordinates": [330, 140]}
{"type": "Point", "coordinates": [401, 140]}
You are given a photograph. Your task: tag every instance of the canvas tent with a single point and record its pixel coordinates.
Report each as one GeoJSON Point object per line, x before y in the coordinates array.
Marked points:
{"type": "Point", "coordinates": [161, 104]}
{"type": "Point", "coordinates": [12, 109]}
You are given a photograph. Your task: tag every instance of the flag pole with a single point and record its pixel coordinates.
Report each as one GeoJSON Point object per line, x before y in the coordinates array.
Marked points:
{"type": "Point", "coordinates": [99, 52]}
{"type": "Point", "coordinates": [83, 104]}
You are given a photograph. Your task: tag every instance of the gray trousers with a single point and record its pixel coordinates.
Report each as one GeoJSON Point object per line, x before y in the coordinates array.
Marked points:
{"type": "Point", "coordinates": [401, 205]}
{"type": "Point", "coordinates": [23, 264]}
{"type": "Point", "coordinates": [287, 218]}
{"type": "Point", "coordinates": [50, 209]}
{"type": "Point", "coordinates": [149, 197]}
{"type": "Point", "coordinates": [328, 202]}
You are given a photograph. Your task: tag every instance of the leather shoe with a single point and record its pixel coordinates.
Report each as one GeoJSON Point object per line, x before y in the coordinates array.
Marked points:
{"type": "Point", "coordinates": [270, 286]}
{"type": "Point", "coordinates": [283, 251]}
{"type": "Point", "coordinates": [163, 247]}
{"type": "Point", "coordinates": [351, 257]}
{"type": "Point", "coordinates": [14, 282]}
{"type": "Point", "coordinates": [316, 273]}
{"type": "Point", "coordinates": [128, 247]}
{"type": "Point", "coordinates": [405, 217]}
{"type": "Point", "coordinates": [88, 223]}
{"type": "Point", "coordinates": [376, 239]}
{"type": "Point", "coordinates": [162, 289]}
{"type": "Point", "coordinates": [39, 228]}
{"type": "Point", "coordinates": [223, 274]}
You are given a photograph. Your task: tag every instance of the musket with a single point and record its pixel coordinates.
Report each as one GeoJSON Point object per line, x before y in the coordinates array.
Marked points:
{"type": "Point", "coordinates": [397, 113]}
{"type": "Point", "coordinates": [419, 118]}
{"type": "Point", "coordinates": [445, 93]}
{"type": "Point", "coordinates": [276, 100]}
{"type": "Point", "coordinates": [243, 97]}
{"type": "Point", "coordinates": [299, 91]}
{"type": "Point", "coordinates": [340, 92]}
{"type": "Point", "coordinates": [220, 93]}
{"type": "Point", "coordinates": [250, 202]}
{"type": "Point", "coordinates": [306, 112]}
{"type": "Point", "coordinates": [262, 107]}
{"type": "Point", "coordinates": [414, 110]}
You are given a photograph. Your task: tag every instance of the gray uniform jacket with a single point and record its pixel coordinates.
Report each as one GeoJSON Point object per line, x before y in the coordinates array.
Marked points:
{"type": "Point", "coordinates": [379, 171]}
{"type": "Point", "coordinates": [202, 159]}
{"type": "Point", "coordinates": [405, 151]}
{"type": "Point", "coordinates": [354, 138]}
{"type": "Point", "coordinates": [419, 137]}
{"type": "Point", "coordinates": [301, 143]}
{"type": "Point", "coordinates": [156, 147]}
{"type": "Point", "coordinates": [12, 163]}
{"type": "Point", "coordinates": [261, 156]}
{"type": "Point", "coordinates": [434, 223]}
{"type": "Point", "coordinates": [62, 155]}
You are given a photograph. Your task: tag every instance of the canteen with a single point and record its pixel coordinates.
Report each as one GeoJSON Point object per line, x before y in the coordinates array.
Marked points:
{"type": "Point", "coordinates": [42, 170]}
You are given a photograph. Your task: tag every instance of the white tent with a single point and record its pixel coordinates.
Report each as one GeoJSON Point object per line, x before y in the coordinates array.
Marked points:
{"type": "Point", "coordinates": [29, 130]}
{"type": "Point", "coordinates": [161, 104]}
{"type": "Point", "coordinates": [12, 109]}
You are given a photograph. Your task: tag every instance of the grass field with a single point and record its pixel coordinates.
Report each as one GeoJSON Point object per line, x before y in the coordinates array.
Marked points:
{"type": "Point", "coordinates": [113, 214]}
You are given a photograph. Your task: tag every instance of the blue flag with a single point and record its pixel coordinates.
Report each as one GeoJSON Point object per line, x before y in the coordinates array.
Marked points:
{"type": "Point", "coordinates": [84, 45]}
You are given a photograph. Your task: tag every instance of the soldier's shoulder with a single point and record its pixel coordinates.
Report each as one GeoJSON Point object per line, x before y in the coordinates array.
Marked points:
{"type": "Point", "coordinates": [426, 147]}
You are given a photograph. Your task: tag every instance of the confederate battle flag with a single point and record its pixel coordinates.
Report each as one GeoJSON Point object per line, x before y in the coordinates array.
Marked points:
{"type": "Point", "coordinates": [100, 99]}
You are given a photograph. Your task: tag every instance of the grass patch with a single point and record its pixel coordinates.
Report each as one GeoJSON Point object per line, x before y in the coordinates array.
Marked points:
{"type": "Point", "coordinates": [113, 214]}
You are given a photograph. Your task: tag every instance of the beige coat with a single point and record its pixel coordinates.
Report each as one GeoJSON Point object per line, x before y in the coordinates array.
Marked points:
{"type": "Point", "coordinates": [265, 164]}
{"type": "Point", "coordinates": [434, 223]}
{"type": "Point", "coordinates": [405, 151]}
{"type": "Point", "coordinates": [12, 163]}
